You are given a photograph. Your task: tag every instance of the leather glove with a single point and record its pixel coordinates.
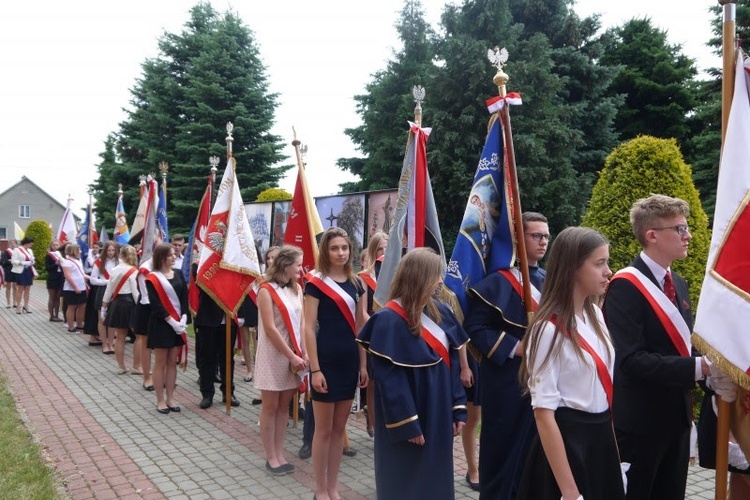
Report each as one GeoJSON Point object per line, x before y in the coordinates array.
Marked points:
{"type": "Point", "coordinates": [176, 326]}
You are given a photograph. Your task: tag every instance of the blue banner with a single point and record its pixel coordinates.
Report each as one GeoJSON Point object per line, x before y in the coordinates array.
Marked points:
{"type": "Point", "coordinates": [121, 234]}
{"type": "Point", "coordinates": [161, 215]}
{"type": "Point", "coordinates": [83, 233]}
{"type": "Point", "coordinates": [485, 239]}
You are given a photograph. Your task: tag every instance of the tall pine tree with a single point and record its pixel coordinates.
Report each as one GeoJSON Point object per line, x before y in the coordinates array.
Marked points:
{"type": "Point", "coordinates": [387, 106]}
{"type": "Point", "coordinates": [703, 148]}
{"type": "Point", "coordinates": [207, 75]}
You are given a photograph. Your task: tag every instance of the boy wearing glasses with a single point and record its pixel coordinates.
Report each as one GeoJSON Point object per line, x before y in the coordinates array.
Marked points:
{"type": "Point", "coordinates": [496, 323]}
{"type": "Point", "coordinates": [647, 310]}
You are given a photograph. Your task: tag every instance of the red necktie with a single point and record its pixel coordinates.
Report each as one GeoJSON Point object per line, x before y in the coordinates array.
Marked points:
{"type": "Point", "coordinates": [669, 287]}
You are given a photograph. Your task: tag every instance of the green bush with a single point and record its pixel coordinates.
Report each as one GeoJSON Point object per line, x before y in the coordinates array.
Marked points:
{"type": "Point", "coordinates": [274, 194]}
{"type": "Point", "coordinates": [637, 169]}
{"type": "Point", "coordinates": [40, 232]}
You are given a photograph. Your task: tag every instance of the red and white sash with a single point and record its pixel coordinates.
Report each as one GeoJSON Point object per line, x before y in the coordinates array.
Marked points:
{"type": "Point", "coordinates": [432, 334]}
{"type": "Point", "coordinates": [514, 276]}
{"type": "Point", "coordinates": [55, 256]}
{"type": "Point", "coordinates": [369, 280]}
{"type": "Point", "coordinates": [123, 280]}
{"type": "Point", "coordinates": [77, 263]}
{"type": "Point", "coordinates": [29, 257]}
{"type": "Point", "coordinates": [333, 290]}
{"type": "Point", "coordinates": [171, 302]}
{"type": "Point", "coordinates": [669, 316]}
{"type": "Point", "coordinates": [102, 269]}
{"type": "Point", "coordinates": [253, 292]}
{"type": "Point", "coordinates": [9, 251]}
{"type": "Point", "coordinates": [605, 378]}
{"type": "Point", "coordinates": [288, 314]}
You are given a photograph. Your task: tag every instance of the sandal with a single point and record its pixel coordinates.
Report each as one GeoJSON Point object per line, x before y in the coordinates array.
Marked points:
{"type": "Point", "coordinates": [249, 378]}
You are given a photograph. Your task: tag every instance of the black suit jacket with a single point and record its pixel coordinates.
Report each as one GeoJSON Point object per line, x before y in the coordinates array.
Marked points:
{"type": "Point", "coordinates": [653, 383]}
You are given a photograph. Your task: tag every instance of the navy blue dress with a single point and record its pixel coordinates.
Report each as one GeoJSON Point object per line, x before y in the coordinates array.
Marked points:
{"type": "Point", "coordinates": [417, 394]}
{"type": "Point", "coordinates": [338, 354]}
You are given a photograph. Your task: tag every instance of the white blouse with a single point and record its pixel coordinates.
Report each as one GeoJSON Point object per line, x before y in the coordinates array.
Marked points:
{"type": "Point", "coordinates": [130, 286]}
{"type": "Point", "coordinates": [97, 278]}
{"type": "Point", "coordinates": [566, 380]}
{"type": "Point", "coordinates": [76, 274]}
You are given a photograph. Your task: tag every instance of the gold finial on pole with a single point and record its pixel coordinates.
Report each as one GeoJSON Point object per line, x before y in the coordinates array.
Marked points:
{"type": "Point", "coordinates": [499, 58]}
{"type": "Point", "coordinates": [418, 93]}
{"type": "Point", "coordinates": [300, 150]}
{"type": "Point", "coordinates": [119, 189]}
{"type": "Point", "coordinates": [164, 168]}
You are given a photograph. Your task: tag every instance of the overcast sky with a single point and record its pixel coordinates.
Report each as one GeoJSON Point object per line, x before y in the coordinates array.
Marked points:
{"type": "Point", "coordinates": [67, 69]}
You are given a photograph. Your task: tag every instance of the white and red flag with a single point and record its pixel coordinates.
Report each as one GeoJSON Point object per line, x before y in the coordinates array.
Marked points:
{"type": "Point", "coordinates": [66, 231]}
{"type": "Point", "coordinates": [195, 247]}
{"type": "Point", "coordinates": [720, 329]}
{"type": "Point", "coordinates": [415, 223]}
{"type": "Point", "coordinates": [303, 225]}
{"type": "Point", "coordinates": [229, 262]}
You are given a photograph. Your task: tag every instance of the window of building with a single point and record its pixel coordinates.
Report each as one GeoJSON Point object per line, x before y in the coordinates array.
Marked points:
{"type": "Point", "coordinates": [3, 233]}
{"type": "Point", "coordinates": [24, 211]}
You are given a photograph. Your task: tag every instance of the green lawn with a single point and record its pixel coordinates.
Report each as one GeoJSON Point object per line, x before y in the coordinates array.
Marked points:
{"type": "Point", "coordinates": [23, 474]}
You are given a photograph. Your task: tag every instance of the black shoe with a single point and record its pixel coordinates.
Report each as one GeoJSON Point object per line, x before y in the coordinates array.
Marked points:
{"type": "Point", "coordinates": [148, 388]}
{"type": "Point", "coordinates": [206, 402]}
{"type": "Point", "coordinates": [276, 471]}
{"type": "Point", "coordinates": [305, 452]}
{"type": "Point", "coordinates": [234, 402]}
{"type": "Point", "coordinates": [174, 409]}
{"type": "Point", "coordinates": [256, 401]}
{"type": "Point", "coordinates": [349, 452]}
{"type": "Point", "coordinates": [288, 468]}
{"type": "Point", "coordinates": [473, 486]}
{"type": "Point", "coordinates": [163, 411]}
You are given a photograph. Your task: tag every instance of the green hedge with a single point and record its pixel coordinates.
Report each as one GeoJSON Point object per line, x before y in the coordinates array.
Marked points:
{"type": "Point", "coordinates": [40, 232]}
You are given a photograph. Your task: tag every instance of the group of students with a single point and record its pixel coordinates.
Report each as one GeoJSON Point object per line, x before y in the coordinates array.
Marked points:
{"type": "Point", "coordinates": [590, 399]}
{"type": "Point", "coordinates": [593, 398]}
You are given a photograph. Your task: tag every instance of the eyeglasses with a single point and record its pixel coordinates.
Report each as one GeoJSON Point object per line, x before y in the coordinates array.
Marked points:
{"type": "Point", "coordinates": [539, 236]}
{"type": "Point", "coordinates": [681, 229]}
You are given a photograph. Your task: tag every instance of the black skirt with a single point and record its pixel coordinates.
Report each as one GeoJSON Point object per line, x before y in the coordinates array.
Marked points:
{"type": "Point", "coordinates": [592, 454]}
{"type": "Point", "coordinates": [142, 314]}
{"type": "Point", "coordinates": [10, 277]}
{"type": "Point", "coordinates": [74, 299]}
{"type": "Point", "coordinates": [121, 312]}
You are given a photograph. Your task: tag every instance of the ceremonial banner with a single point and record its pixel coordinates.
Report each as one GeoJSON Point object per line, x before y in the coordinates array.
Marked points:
{"type": "Point", "coordinates": [720, 329]}
{"type": "Point", "coordinates": [485, 240]}
{"type": "Point", "coordinates": [229, 262]}
{"type": "Point", "coordinates": [121, 233]}
{"type": "Point", "coordinates": [18, 233]}
{"type": "Point", "coordinates": [195, 246]}
{"type": "Point", "coordinates": [66, 231]}
{"type": "Point", "coordinates": [150, 235]}
{"type": "Point", "coordinates": [87, 236]}
{"type": "Point", "coordinates": [415, 222]}
{"type": "Point", "coordinates": [103, 236]}
{"type": "Point", "coordinates": [303, 224]}
{"type": "Point", "coordinates": [161, 215]}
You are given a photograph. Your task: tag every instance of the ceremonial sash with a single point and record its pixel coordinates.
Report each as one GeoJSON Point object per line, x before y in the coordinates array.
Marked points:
{"type": "Point", "coordinates": [171, 302]}
{"type": "Point", "coordinates": [123, 280]}
{"type": "Point", "coordinates": [102, 269]}
{"type": "Point", "coordinates": [288, 314]}
{"type": "Point", "coordinates": [669, 316]}
{"type": "Point", "coordinates": [9, 251]}
{"type": "Point", "coordinates": [369, 280]}
{"type": "Point", "coordinates": [338, 295]}
{"type": "Point", "coordinates": [29, 258]}
{"type": "Point", "coordinates": [80, 268]}
{"type": "Point", "coordinates": [601, 368]}
{"type": "Point", "coordinates": [253, 293]}
{"type": "Point", "coordinates": [55, 256]}
{"type": "Point", "coordinates": [514, 277]}
{"type": "Point", "coordinates": [432, 334]}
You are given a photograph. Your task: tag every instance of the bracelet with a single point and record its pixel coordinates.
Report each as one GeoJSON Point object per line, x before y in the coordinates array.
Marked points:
{"type": "Point", "coordinates": [314, 371]}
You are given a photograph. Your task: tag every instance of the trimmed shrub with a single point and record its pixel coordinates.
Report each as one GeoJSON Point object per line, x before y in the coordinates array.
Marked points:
{"type": "Point", "coordinates": [40, 232]}
{"type": "Point", "coordinates": [274, 194]}
{"type": "Point", "coordinates": [637, 169]}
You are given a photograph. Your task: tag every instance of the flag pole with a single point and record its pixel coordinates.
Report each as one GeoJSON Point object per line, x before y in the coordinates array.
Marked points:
{"type": "Point", "coordinates": [501, 79]}
{"type": "Point", "coordinates": [164, 168]}
{"type": "Point", "coordinates": [229, 355]}
{"type": "Point", "coordinates": [727, 93]}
